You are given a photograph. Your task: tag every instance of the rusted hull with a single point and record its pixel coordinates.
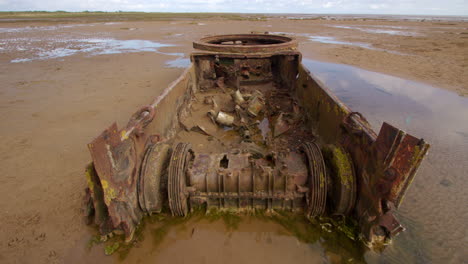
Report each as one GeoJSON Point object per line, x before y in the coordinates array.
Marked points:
{"type": "Point", "coordinates": [385, 164]}
{"type": "Point", "coordinates": [146, 165]}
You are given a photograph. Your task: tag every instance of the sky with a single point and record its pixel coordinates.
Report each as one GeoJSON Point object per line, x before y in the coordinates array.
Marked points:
{"type": "Point", "coordinates": [403, 7]}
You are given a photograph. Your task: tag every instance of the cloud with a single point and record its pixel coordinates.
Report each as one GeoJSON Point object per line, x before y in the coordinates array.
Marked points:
{"type": "Point", "coordinates": [377, 6]}
{"type": "Point", "coordinates": [331, 4]}
{"type": "Point", "coordinates": [434, 7]}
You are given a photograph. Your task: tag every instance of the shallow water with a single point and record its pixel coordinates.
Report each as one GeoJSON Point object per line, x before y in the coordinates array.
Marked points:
{"type": "Point", "coordinates": [180, 62]}
{"type": "Point", "coordinates": [436, 223]}
{"type": "Point", "coordinates": [335, 41]}
{"type": "Point", "coordinates": [42, 28]}
{"type": "Point", "coordinates": [57, 42]}
{"type": "Point", "coordinates": [63, 47]}
{"type": "Point", "coordinates": [381, 30]}
{"type": "Point", "coordinates": [332, 40]}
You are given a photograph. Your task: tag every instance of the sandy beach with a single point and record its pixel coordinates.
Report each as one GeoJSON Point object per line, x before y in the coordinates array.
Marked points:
{"type": "Point", "coordinates": [63, 82]}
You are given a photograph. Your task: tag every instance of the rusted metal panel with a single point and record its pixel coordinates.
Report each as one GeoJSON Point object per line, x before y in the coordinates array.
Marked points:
{"type": "Point", "coordinates": [403, 154]}
{"type": "Point", "coordinates": [246, 43]}
{"type": "Point", "coordinates": [117, 164]}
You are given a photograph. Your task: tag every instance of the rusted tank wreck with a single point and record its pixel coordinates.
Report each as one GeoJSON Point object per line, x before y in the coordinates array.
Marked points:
{"type": "Point", "coordinates": [248, 127]}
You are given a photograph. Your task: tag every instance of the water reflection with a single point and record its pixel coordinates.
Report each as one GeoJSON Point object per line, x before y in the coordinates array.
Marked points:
{"type": "Point", "coordinates": [383, 97]}
{"type": "Point", "coordinates": [72, 46]}
{"type": "Point", "coordinates": [435, 222]}
{"type": "Point", "coordinates": [180, 62]}
{"type": "Point", "coordinates": [335, 41]}
{"type": "Point", "coordinates": [332, 40]}
{"type": "Point", "coordinates": [380, 30]}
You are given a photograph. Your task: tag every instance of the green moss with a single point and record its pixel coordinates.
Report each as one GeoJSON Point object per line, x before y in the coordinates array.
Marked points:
{"type": "Point", "coordinates": [310, 230]}
{"type": "Point", "coordinates": [416, 156]}
{"type": "Point", "coordinates": [322, 180]}
{"type": "Point", "coordinates": [230, 218]}
{"type": "Point", "coordinates": [347, 226]}
{"type": "Point", "coordinates": [112, 248]}
{"type": "Point", "coordinates": [125, 248]}
{"type": "Point", "coordinates": [89, 174]}
{"type": "Point", "coordinates": [340, 164]}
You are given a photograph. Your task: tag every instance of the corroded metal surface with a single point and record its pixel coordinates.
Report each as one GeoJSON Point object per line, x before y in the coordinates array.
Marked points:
{"type": "Point", "coordinates": [384, 164]}
{"type": "Point", "coordinates": [149, 184]}
{"type": "Point", "coordinates": [241, 181]}
{"type": "Point", "coordinates": [177, 180]}
{"type": "Point", "coordinates": [271, 109]}
{"type": "Point", "coordinates": [246, 43]}
{"type": "Point", "coordinates": [401, 155]}
{"type": "Point", "coordinates": [117, 164]}
{"type": "Point", "coordinates": [317, 193]}
{"type": "Point", "coordinates": [342, 177]}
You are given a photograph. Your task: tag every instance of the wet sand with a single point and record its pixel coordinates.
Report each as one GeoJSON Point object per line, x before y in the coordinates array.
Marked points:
{"type": "Point", "coordinates": [52, 105]}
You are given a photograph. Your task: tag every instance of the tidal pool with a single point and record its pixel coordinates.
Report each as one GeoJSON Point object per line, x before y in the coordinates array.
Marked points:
{"type": "Point", "coordinates": [381, 30]}
{"type": "Point", "coordinates": [180, 62]}
{"type": "Point", "coordinates": [436, 223]}
{"type": "Point", "coordinates": [59, 48]}
{"type": "Point", "coordinates": [332, 40]}
{"type": "Point", "coordinates": [335, 41]}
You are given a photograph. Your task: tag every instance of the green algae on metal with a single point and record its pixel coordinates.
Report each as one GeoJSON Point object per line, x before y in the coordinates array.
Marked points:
{"type": "Point", "coordinates": [115, 242]}
{"type": "Point", "coordinates": [230, 218]}
{"type": "Point", "coordinates": [340, 164]}
{"type": "Point", "coordinates": [110, 249]}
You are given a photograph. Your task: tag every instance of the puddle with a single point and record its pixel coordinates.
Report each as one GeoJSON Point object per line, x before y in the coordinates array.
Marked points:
{"type": "Point", "coordinates": [441, 118]}
{"type": "Point", "coordinates": [326, 39]}
{"type": "Point", "coordinates": [332, 40]}
{"type": "Point", "coordinates": [180, 62]}
{"type": "Point", "coordinates": [378, 94]}
{"type": "Point", "coordinates": [43, 28]}
{"type": "Point", "coordinates": [380, 30]}
{"type": "Point", "coordinates": [58, 48]}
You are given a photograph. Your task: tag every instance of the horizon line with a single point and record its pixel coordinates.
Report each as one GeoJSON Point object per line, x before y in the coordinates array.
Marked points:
{"type": "Point", "coordinates": [233, 12]}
